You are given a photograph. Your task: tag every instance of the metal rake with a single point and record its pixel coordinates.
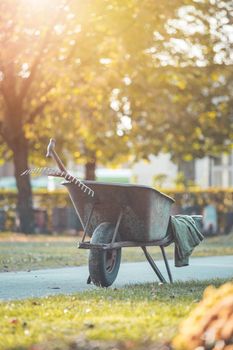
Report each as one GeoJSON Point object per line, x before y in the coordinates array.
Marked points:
{"type": "Point", "coordinates": [62, 172]}
{"type": "Point", "coordinates": [59, 173]}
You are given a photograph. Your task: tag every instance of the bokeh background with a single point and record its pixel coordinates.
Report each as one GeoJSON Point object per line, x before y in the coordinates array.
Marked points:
{"type": "Point", "coordinates": [132, 91]}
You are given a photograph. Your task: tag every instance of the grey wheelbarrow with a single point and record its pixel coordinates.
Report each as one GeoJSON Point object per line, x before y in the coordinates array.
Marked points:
{"type": "Point", "coordinates": [120, 216]}
{"type": "Point", "coordinates": [114, 216]}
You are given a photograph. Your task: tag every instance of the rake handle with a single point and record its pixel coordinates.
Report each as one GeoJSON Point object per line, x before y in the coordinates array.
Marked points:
{"type": "Point", "coordinates": [52, 153]}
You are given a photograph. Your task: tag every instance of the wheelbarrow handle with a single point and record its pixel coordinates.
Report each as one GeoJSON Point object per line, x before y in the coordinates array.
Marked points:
{"type": "Point", "coordinates": [52, 153]}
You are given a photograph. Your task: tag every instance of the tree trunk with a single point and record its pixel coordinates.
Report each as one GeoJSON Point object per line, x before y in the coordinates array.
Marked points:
{"type": "Point", "coordinates": [188, 169]}
{"type": "Point", "coordinates": [90, 170]}
{"type": "Point", "coordinates": [25, 203]}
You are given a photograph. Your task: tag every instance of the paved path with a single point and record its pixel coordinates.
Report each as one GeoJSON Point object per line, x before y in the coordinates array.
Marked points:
{"type": "Point", "coordinates": [19, 285]}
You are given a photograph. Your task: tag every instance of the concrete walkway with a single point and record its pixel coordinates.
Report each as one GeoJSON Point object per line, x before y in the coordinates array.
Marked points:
{"type": "Point", "coordinates": [19, 285]}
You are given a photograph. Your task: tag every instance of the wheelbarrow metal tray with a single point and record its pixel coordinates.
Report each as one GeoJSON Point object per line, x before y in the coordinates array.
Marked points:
{"type": "Point", "coordinates": [146, 211]}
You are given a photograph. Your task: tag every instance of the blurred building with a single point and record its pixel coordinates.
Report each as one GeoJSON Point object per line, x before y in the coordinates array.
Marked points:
{"type": "Point", "coordinates": [158, 171]}
{"type": "Point", "coordinates": [7, 169]}
{"type": "Point", "coordinates": [205, 172]}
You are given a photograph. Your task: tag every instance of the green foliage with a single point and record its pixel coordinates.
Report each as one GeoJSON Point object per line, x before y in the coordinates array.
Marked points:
{"type": "Point", "coordinates": [115, 79]}
{"type": "Point", "coordinates": [181, 95]}
{"type": "Point", "coordinates": [180, 180]}
{"type": "Point", "coordinates": [191, 196]}
{"type": "Point", "coordinates": [159, 179]}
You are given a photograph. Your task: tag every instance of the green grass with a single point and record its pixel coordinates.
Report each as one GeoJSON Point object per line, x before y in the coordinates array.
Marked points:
{"type": "Point", "coordinates": [37, 255]}
{"type": "Point", "coordinates": [135, 315]}
{"type": "Point", "coordinates": [19, 252]}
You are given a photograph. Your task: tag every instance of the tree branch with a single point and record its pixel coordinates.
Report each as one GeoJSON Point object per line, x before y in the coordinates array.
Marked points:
{"type": "Point", "coordinates": [36, 111]}
{"type": "Point", "coordinates": [1, 123]}
{"type": "Point", "coordinates": [7, 86]}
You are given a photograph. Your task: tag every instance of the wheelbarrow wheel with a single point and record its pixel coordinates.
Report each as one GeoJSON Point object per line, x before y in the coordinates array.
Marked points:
{"type": "Point", "coordinates": [104, 264]}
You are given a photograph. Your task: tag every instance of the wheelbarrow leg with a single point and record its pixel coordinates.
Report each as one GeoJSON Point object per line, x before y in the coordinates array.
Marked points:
{"type": "Point", "coordinates": [166, 264]}
{"type": "Point", "coordinates": [153, 265]}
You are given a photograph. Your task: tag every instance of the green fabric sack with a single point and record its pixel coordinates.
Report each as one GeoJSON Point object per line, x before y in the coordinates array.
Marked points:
{"type": "Point", "coordinates": [186, 238]}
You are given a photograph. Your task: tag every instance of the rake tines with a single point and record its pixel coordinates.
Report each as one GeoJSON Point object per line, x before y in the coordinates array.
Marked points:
{"type": "Point", "coordinates": [59, 173]}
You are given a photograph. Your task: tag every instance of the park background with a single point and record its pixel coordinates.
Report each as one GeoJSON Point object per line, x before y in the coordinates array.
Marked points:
{"type": "Point", "coordinates": [117, 84]}
{"type": "Point", "coordinates": [132, 91]}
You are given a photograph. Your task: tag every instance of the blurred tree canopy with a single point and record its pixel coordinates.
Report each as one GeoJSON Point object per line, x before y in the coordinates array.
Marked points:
{"type": "Point", "coordinates": [181, 87]}
{"type": "Point", "coordinates": [112, 79]}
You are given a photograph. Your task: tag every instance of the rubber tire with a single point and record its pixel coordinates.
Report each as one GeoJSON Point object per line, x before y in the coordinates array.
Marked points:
{"type": "Point", "coordinates": [97, 258]}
